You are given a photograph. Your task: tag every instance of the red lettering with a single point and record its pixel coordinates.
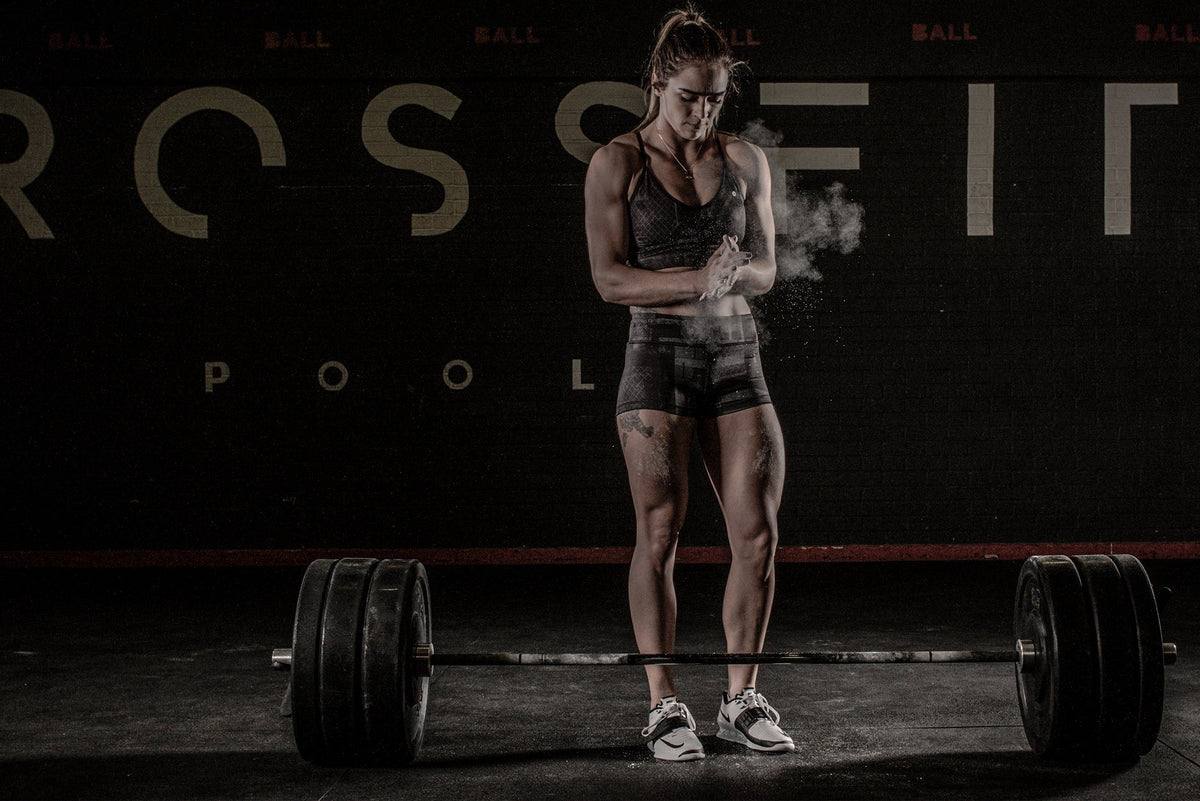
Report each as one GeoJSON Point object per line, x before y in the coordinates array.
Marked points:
{"type": "Point", "coordinates": [1141, 33]}
{"type": "Point", "coordinates": [274, 40]}
{"type": "Point", "coordinates": [507, 35]}
{"type": "Point", "coordinates": [1192, 39]}
{"type": "Point", "coordinates": [948, 32]}
{"type": "Point", "coordinates": [1175, 36]}
{"type": "Point", "coordinates": [741, 37]}
{"type": "Point", "coordinates": [1160, 33]}
{"type": "Point", "coordinates": [87, 40]}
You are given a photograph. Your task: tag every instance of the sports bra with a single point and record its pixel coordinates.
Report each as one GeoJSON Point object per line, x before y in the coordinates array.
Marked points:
{"type": "Point", "coordinates": [668, 233]}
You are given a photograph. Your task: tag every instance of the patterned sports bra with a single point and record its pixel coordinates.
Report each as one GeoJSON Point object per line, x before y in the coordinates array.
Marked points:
{"type": "Point", "coordinates": [668, 233]}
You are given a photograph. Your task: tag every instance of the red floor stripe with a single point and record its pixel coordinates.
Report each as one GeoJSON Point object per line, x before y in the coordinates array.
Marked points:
{"type": "Point", "coordinates": [585, 556]}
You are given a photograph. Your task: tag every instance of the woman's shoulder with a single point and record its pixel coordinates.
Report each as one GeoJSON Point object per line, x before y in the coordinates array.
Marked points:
{"type": "Point", "coordinates": [742, 152]}
{"type": "Point", "coordinates": [623, 150]}
{"type": "Point", "coordinates": [618, 161]}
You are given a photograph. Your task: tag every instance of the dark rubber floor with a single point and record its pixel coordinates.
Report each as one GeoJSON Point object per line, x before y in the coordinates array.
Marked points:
{"type": "Point", "coordinates": [156, 685]}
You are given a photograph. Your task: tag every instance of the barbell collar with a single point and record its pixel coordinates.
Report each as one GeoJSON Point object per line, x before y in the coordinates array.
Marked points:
{"type": "Point", "coordinates": [422, 659]}
{"type": "Point", "coordinates": [281, 659]}
{"type": "Point", "coordinates": [1028, 656]}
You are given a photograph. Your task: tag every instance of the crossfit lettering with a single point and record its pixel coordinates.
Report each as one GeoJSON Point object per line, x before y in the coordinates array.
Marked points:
{"type": "Point", "coordinates": [446, 171]}
{"type": "Point", "coordinates": [173, 109]}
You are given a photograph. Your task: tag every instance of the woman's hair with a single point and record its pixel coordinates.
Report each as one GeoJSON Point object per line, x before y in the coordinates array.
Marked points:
{"type": "Point", "coordinates": [686, 37]}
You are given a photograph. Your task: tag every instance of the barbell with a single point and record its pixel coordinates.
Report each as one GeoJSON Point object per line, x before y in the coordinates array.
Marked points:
{"type": "Point", "coordinates": [1088, 658]}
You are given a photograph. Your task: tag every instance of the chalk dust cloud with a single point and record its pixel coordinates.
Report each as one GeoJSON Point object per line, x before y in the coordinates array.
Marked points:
{"type": "Point", "coordinates": [811, 223]}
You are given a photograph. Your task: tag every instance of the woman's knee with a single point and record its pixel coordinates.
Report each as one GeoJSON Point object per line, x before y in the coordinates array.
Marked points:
{"type": "Point", "coordinates": [753, 547]}
{"type": "Point", "coordinates": [658, 533]}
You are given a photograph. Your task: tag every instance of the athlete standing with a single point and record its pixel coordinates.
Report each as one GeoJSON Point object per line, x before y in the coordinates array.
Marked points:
{"type": "Point", "coordinates": [680, 229]}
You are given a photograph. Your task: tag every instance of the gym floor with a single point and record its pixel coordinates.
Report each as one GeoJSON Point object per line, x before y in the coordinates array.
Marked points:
{"type": "Point", "coordinates": [156, 684]}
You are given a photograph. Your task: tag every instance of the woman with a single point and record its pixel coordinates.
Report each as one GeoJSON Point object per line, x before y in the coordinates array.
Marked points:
{"type": "Point", "coordinates": [669, 208]}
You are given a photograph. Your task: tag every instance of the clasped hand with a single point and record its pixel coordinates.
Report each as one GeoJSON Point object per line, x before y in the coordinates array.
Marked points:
{"type": "Point", "coordinates": [722, 268]}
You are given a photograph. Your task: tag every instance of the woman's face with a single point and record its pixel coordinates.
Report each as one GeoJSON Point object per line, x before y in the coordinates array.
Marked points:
{"type": "Point", "coordinates": [691, 100]}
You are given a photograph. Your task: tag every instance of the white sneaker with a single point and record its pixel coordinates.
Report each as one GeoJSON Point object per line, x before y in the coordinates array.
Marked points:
{"type": "Point", "coordinates": [671, 733]}
{"type": "Point", "coordinates": [748, 719]}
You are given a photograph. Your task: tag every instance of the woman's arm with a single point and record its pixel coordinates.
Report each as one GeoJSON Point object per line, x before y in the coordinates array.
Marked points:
{"type": "Point", "coordinates": [607, 221]}
{"type": "Point", "coordinates": [750, 164]}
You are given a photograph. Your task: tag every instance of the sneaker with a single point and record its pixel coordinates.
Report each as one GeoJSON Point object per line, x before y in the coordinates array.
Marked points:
{"type": "Point", "coordinates": [671, 733]}
{"type": "Point", "coordinates": [748, 719]}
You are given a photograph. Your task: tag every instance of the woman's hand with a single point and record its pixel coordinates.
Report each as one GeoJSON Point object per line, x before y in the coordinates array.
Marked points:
{"type": "Point", "coordinates": [722, 268]}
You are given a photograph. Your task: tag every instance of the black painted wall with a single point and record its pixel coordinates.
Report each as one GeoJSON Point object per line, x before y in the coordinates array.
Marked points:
{"type": "Point", "coordinates": [1035, 384]}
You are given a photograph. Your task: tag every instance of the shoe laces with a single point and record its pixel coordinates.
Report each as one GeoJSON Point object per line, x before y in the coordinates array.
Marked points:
{"type": "Point", "coordinates": [753, 699]}
{"type": "Point", "coordinates": [671, 709]}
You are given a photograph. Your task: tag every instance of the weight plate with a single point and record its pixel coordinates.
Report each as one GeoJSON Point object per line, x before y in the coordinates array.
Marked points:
{"type": "Point", "coordinates": [1117, 645]}
{"type": "Point", "coordinates": [397, 617]}
{"type": "Point", "coordinates": [338, 662]}
{"type": "Point", "coordinates": [1150, 653]}
{"type": "Point", "coordinates": [1058, 699]}
{"type": "Point", "coordinates": [306, 640]}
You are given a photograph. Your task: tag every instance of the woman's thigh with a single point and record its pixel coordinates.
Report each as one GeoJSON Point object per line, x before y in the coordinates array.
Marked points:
{"type": "Point", "coordinates": [656, 446]}
{"type": "Point", "coordinates": [744, 455]}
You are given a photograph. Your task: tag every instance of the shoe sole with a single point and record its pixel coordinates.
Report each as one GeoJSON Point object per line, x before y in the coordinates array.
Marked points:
{"type": "Point", "coordinates": [683, 756]}
{"type": "Point", "coordinates": [731, 734]}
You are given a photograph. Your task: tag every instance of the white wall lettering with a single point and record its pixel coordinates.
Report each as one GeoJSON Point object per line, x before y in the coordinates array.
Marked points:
{"type": "Point", "coordinates": [323, 376]}
{"type": "Point", "coordinates": [782, 159]}
{"type": "Point", "coordinates": [215, 373]}
{"type": "Point", "coordinates": [577, 375]}
{"type": "Point", "coordinates": [569, 118]}
{"type": "Point", "coordinates": [446, 171]}
{"type": "Point", "coordinates": [981, 149]}
{"type": "Point", "coordinates": [16, 175]}
{"type": "Point", "coordinates": [458, 366]}
{"type": "Point", "coordinates": [172, 110]}
{"type": "Point", "coordinates": [1118, 145]}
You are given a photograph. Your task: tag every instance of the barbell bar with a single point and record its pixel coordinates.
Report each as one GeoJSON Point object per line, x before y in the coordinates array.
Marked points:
{"type": "Point", "coordinates": [1088, 656]}
{"type": "Point", "coordinates": [424, 658]}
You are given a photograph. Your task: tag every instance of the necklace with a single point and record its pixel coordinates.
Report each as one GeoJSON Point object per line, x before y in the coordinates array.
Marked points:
{"type": "Point", "coordinates": [687, 173]}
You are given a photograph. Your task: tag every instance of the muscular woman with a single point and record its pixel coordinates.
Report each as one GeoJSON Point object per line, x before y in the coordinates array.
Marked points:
{"type": "Point", "coordinates": [680, 230]}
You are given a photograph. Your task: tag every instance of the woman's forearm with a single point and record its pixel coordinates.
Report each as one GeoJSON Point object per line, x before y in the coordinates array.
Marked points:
{"type": "Point", "coordinates": [756, 278]}
{"type": "Point", "coordinates": [630, 286]}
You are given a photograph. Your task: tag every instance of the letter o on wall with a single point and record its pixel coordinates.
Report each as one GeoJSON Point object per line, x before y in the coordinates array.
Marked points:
{"type": "Point", "coordinates": [323, 380]}
{"type": "Point", "coordinates": [449, 379]}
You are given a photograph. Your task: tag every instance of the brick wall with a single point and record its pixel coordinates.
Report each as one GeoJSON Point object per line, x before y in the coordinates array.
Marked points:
{"type": "Point", "coordinates": [259, 335]}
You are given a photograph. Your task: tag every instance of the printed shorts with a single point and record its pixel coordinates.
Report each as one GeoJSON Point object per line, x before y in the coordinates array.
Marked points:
{"type": "Point", "coordinates": [692, 366]}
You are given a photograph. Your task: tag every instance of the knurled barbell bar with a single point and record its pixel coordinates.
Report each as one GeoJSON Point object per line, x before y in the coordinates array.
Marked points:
{"type": "Point", "coordinates": [1089, 659]}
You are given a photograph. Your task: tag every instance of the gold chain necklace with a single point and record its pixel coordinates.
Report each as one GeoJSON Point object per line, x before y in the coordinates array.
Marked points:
{"type": "Point", "coordinates": [687, 173]}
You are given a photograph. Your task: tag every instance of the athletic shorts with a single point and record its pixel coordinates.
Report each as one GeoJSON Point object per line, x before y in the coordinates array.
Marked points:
{"type": "Point", "coordinates": [692, 366]}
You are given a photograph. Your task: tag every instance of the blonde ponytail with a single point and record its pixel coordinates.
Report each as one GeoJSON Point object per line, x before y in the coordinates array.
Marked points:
{"type": "Point", "coordinates": [685, 37]}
